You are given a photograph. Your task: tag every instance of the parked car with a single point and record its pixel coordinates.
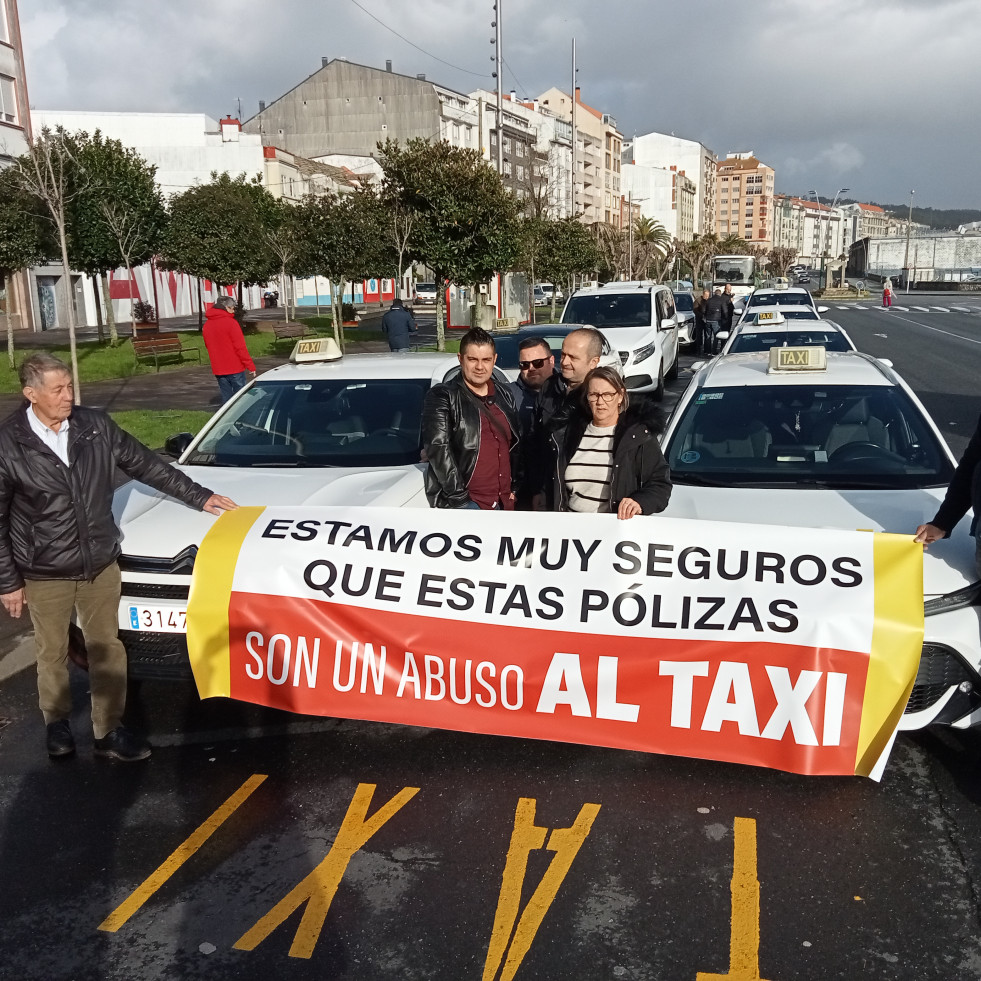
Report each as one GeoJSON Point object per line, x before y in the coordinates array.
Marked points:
{"type": "Point", "coordinates": [506, 346]}
{"type": "Point", "coordinates": [425, 293]}
{"type": "Point", "coordinates": [684, 304]}
{"type": "Point", "coordinates": [539, 297]}
{"type": "Point", "coordinates": [844, 446]}
{"type": "Point", "coordinates": [548, 289]}
{"type": "Point", "coordinates": [640, 319]}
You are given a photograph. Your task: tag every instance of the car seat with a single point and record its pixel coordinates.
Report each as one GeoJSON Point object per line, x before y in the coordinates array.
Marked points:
{"type": "Point", "coordinates": [853, 423]}
{"type": "Point", "coordinates": [725, 433]}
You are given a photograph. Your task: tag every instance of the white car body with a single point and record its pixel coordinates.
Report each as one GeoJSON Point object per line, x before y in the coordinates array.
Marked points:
{"type": "Point", "coordinates": [647, 340]}
{"type": "Point", "coordinates": [948, 684]}
{"type": "Point", "coordinates": [425, 293]}
{"type": "Point", "coordinates": [160, 535]}
{"type": "Point", "coordinates": [548, 289]}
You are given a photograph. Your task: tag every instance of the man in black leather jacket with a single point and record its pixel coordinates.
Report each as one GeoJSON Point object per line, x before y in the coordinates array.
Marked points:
{"type": "Point", "coordinates": [59, 544]}
{"type": "Point", "coordinates": [470, 433]}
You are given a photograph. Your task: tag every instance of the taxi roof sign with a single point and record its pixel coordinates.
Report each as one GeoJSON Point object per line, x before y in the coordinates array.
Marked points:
{"type": "Point", "coordinates": [798, 359]}
{"type": "Point", "coordinates": [316, 349]}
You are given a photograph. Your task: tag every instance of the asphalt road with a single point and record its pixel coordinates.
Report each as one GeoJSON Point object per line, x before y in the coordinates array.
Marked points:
{"type": "Point", "coordinates": [195, 864]}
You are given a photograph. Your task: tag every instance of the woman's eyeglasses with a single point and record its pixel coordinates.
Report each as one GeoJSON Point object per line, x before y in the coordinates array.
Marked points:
{"type": "Point", "coordinates": [535, 363]}
{"type": "Point", "coordinates": [606, 397]}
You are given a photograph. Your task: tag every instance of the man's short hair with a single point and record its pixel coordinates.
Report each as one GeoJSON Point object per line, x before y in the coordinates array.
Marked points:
{"type": "Point", "coordinates": [476, 337]}
{"type": "Point", "coordinates": [593, 338]}
{"type": "Point", "coordinates": [33, 369]}
{"type": "Point", "coordinates": [225, 303]}
{"type": "Point", "coordinates": [527, 343]}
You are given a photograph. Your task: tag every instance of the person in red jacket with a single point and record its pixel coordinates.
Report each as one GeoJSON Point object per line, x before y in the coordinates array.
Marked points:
{"type": "Point", "coordinates": [230, 361]}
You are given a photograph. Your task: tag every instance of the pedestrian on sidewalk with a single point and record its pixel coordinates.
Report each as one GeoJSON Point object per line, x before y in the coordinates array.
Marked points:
{"type": "Point", "coordinates": [887, 293]}
{"type": "Point", "coordinates": [231, 363]}
{"type": "Point", "coordinates": [398, 323]}
{"type": "Point", "coordinates": [59, 544]}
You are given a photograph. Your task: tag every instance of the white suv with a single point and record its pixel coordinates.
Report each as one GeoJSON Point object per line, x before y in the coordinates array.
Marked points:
{"type": "Point", "coordinates": [640, 320]}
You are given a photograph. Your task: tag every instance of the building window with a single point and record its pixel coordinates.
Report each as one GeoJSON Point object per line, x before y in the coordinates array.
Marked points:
{"type": "Point", "coordinates": [8, 101]}
{"type": "Point", "coordinates": [521, 172]}
{"type": "Point", "coordinates": [507, 167]}
{"type": "Point", "coordinates": [456, 132]}
{"type": "Point", "coordinates": [507, 144]}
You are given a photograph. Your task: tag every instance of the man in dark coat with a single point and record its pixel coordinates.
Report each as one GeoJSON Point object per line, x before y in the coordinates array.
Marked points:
{"type": "Point", "coordinates": [398, 323]}
{"type": "Point", "coordinates": [713, 313]}
{"type": "Point", "coordinates": [59, 544]}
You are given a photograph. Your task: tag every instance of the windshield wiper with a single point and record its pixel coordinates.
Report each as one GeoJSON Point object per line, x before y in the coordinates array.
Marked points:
{"type": "Point", "coordinates": [699, 480]}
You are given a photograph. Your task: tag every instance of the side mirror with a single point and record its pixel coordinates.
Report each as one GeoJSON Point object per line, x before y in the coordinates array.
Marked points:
{"type": "Point", "coordinates": [823, 309]}
{"type": "Point", "coordinates": [722, 336]}
{"type": "Point", "coordinates": [886, 362]}
{"type": "Point", "coordinates": [668, 323]}
{"type": "Point", "coordinates": [176, 445]}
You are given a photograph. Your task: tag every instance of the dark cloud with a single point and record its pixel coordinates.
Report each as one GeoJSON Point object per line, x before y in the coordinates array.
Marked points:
{"type": "Point", "coordinates": [872, 94]}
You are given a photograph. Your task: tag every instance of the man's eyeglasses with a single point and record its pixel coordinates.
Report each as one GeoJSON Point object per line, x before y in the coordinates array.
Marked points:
{"type": "Point", "coordinates": [534, 363]}
{"type": "Point", "coordinates": [606, 397]}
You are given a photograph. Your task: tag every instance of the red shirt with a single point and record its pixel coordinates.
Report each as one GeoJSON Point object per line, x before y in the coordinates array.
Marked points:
{"type": "Point", "coordinates": [490, 483]}
{"type": "Point", "coordinates": [225, 343]}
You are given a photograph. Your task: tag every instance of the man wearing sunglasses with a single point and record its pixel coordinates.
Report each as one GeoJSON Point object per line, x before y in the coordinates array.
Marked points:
{"type": "Point", "coordinates": [536, 365]}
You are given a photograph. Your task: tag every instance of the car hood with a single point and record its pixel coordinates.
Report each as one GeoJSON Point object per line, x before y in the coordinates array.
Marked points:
{"type": "Point", "coordinates": [947, 566]}
{"type": "Point", "coordinates": [156, 525]}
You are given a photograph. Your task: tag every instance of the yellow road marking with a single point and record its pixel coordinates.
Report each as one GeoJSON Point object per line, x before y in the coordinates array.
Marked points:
{"type": "Point", "coordinates": [744, 934]}
{"type": "Point", "coordinates": [317, 890]}
{"type": "Point", "coordinates": [525, 838]}
{"type": "Point", "coordinates": [183, 852]}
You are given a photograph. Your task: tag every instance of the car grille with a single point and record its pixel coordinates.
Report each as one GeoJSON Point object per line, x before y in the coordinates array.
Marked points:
{"type": "Point", "coordinates": [156, 655]}
{"type": "Point", "coordinates": [940, 670]}
{"type": "Point", "coordinates": [182, 564]}
{"type": "Point", "coordinates": [156, 590]}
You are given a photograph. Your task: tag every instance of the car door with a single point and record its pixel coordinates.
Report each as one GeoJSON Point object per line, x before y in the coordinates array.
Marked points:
{"type": "Point", "coordinates": [669, 338]}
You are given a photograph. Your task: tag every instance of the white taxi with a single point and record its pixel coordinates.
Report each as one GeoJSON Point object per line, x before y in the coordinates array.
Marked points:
{"type": "Point", "coordinates": [767, 327]}
{"type": "Point", "coordinates": [320, 432]}
{"type": "Point", "coordinates": [842, 444]}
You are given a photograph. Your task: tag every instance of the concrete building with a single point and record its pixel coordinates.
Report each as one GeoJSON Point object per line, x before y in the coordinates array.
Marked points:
{"type": "Point", "coordinates": [864, 221]}
{"type": "Point", "coordinates": [597, 190]}
{"type": "Point", "coordinates": [523, 167]}
{"type": "Point", "coordinates": [15, 130]}
{"type": "Point", "coordinates": [815, 231]}
{"type": "Point", "coordinates": [346, 108]}
{"type": "Point", "coordinates": [745, 199]}
{"type": "Point", "coordinates": [666, 196]}
{"type": "Point", "coordinates": [687, 157]}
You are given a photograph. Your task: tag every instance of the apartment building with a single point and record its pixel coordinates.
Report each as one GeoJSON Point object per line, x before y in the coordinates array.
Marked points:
{"type": "Point", "coordinates": [814, 230]}
{"type": "Point", "coordinates": [745, 199]}
{"type": "Point", "coordinates": [346, 108]}
{"type": "Point", "coordinates": [688, 157]}
{"type": "Point", "coordinates": [15, 131]}
{"type": "Point", "coordinates": [597, 190]}
{"type": "Point", "coordinates": [665, 195]}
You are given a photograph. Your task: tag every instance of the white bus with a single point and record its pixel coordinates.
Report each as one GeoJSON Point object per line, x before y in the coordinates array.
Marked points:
{"type": "Point", "coordinates": [738, 271]}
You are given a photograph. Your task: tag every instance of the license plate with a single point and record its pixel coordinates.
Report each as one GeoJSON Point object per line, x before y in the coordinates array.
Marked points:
{"type": "Point", "coordinates": [154, 618]}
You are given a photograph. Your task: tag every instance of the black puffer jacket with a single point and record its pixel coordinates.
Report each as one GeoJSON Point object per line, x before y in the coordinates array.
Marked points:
{"type": "Point", "coordinates": [965, 489]}
{"type": "Point", "coordinates": [451, 437]}
{"type": "Point", "coordinates": [640, 471]}
{"type": "Point", "coordinates": [55, 521]}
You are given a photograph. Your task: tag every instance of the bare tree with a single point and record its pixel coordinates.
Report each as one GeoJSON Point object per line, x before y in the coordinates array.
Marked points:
{"type": "Point", "coordinates": [48, 171]}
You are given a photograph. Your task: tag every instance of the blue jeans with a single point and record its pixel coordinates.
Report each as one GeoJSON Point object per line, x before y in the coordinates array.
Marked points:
{"type": "Point", "coordinates": [228, 385]}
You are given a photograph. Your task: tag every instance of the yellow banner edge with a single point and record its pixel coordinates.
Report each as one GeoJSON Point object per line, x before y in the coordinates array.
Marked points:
{"type": "Point", "coordinates": [209, 598]}
{"type": "Point", "coordinates": [897, 640]}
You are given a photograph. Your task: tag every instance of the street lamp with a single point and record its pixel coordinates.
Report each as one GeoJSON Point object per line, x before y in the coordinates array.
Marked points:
{"type": "Point", "coordinates": [909, 225]}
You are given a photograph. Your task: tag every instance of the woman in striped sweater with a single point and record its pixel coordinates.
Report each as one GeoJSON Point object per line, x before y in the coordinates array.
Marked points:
{"type": "Point", "coordinates": [608, 457]}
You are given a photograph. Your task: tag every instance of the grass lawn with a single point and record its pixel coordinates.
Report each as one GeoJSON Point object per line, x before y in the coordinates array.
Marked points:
{"type": "Point", "coordinates": [153, 427]}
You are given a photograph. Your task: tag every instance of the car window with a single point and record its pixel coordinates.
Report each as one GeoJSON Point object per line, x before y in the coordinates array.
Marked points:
{"type": "Point", "coordinates": [751, 340]}
{"type": "Point", "coordinates": [806, 436]}
{"type": "Point", "coordinates": [318, 423]}
{"type": "Point", "coordinates": [610, 310]}
{"type": "Point", "coordinates": [684, 302]}
{"type": "Point", "coordinates": [777, 299]}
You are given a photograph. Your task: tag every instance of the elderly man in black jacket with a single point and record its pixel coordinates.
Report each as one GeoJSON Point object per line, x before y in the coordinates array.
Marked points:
{"type": "Point", "coordinates": [59, 544]}
{"type": "Point", "coordinates": [470, 433]}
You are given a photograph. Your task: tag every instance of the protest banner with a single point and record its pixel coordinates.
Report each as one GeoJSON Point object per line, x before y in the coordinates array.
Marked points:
{"type": "Point", "coordinates": [792, 648]}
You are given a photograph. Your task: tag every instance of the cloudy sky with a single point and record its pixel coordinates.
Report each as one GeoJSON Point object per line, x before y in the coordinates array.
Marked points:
{"type": "Point", "coordinates": [878, 96]}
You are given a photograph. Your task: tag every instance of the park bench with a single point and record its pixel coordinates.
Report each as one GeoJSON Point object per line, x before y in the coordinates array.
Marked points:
{"type": "Point", "coordinates": [290, 332]}
{"type": "Point", "coordinates": [163, 348]}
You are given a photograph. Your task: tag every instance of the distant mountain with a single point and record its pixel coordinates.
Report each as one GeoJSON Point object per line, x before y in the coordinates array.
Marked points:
{"type": "Point", "coordinates": [932, 217]}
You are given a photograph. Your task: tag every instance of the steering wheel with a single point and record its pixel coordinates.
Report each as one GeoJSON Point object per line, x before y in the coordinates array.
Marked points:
{"type": "Point", "coordinates": [858, 451]}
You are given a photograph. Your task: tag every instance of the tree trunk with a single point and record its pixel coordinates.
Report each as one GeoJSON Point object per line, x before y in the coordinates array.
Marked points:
{"type": "Point", "coordinates": [200, 306]}
{"type": "Point", "coordinates": [440, 312]}
{"type": "Point", "coordinates": [10, 338]}
{"type": "Point", "coordinates": [100, 327]}
{"type": "Point", "coordinates": [70, 307]}
{"type": "Point", "coordinates": [132, 302]}
{"type": "Point", "coordinates": [335, 304]}
{"type": "Point", "coordinates": [110, 313]}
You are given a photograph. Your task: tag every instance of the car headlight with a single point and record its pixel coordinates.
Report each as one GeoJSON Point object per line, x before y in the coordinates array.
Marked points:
{"type": "Point", "coordinates": [968, 596]}
{"type": "Point", "coordinates": [643, 353]}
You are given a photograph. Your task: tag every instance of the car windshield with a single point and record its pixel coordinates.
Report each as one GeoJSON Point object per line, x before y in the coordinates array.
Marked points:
{"type": "Point", "coordinates": [426, 287]}
{"type": "Point", "coordinates": [760, 340]}
{"type": "Point", "coordinates": [781, 298]}
{"type": "Point", "coordinates": [870, 436]}
{"type": "Point", "coordinates": [684, 302]}
{"type": "Point", "coordinates": [318, 423]}
{"type": "Point", "coordinates": [609, 310]}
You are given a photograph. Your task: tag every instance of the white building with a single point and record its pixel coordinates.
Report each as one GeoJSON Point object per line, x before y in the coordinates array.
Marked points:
{"type": "Point", "coordinates": [186, 149]}
{"type": "Point", "coordinates": [688, 157]}
{"type": "Point", "coordinates": [663, 195]}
